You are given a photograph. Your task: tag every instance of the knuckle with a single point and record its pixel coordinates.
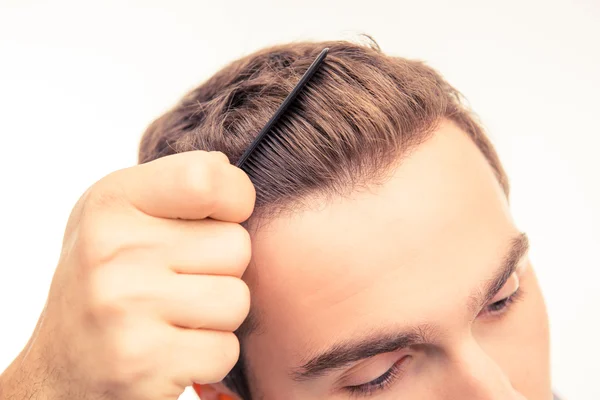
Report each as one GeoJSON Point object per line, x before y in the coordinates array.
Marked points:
{"type": "Point", "coordinates": [252, 197]}
{"type": "Point", "coordinates": [99, 241]}
{"type": "Point", "coordinates": [239, 245]}
{"type": "Point", "coordinates": [251, 190]}
{"type": "Point", "coordinates": [131, 355]}
{"type": "Point", "coordinates": [239, 300]}
{"type": "Point", "coordinates": [219, 156]}
{"type": "Point", "coordinates": [199, 181]}
{"type": "Point", "coordinates": [105, 300]}
{"type": "Point", "coordinates": [228, 354]}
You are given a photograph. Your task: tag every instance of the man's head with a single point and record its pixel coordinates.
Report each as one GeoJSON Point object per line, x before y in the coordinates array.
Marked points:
{"type": "Point", "coordinates": [385, 261]}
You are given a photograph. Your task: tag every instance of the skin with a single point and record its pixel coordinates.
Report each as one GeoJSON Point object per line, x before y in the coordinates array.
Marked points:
{"type": "Point", "coordinates": [140, 247]}
{"type": "Point", "coordinates": [420, 250]}
{"type": "Point", "coordinates": [417, 250]}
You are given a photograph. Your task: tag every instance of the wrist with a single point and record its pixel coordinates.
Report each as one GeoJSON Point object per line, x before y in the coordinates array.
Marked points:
{"type": "Point", "coordinates": [26, 378]}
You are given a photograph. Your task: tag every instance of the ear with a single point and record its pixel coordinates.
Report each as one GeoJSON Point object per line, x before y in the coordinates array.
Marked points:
{"type": "Point", "coordinates": [214, 391]}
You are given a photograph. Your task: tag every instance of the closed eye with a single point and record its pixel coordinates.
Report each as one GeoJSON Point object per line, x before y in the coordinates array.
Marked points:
{"type": "Point", "coordinates": [500, 307]}
{"type": "Point", "coordinates": [382, 382]}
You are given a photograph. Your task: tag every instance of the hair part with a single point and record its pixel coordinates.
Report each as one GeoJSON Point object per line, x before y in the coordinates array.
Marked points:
{"type": "Point", "coordinates": [355, 119]}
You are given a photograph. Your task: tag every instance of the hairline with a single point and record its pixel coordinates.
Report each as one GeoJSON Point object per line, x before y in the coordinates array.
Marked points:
{"type": "Point", "coordinates": [252, 323]}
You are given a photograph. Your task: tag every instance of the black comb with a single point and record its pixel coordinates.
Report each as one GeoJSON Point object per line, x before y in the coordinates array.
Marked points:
{"type": "Point", "coordinates": [283, 107]}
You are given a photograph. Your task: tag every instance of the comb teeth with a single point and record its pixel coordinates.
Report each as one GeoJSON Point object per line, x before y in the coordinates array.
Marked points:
{"type": "Point", "coordinates": [241, 163]}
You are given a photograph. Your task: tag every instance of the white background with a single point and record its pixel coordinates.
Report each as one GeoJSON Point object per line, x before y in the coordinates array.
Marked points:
{"type": "Point", "coordinates": [80, 81]}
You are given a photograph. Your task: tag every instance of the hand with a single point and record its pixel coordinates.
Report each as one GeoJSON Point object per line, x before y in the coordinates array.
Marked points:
{"type": "Point", "coordinates": [148, 289]}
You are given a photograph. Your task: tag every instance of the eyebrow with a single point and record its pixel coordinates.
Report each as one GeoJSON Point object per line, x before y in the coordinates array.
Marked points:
{"type": "Point", "coordinates": [518, 248]}
{"type": "Point", "coordinates": [349, 351]}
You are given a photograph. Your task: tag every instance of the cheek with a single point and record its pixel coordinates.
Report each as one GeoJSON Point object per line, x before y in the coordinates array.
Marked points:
{"type": "Point", "coordinates": [519, 341]}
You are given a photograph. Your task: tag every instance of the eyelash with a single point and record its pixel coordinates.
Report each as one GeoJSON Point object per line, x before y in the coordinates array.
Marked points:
{"type": "Point", "coordinates": [501, 306]}
{"type": "Point", "coordinates": [380, 383]}
{"type": "Point", "coordinates": [387, 379]}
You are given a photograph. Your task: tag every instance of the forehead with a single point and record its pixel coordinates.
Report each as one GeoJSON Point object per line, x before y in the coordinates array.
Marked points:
{"type": "Point", "coordinates": [401, 253]}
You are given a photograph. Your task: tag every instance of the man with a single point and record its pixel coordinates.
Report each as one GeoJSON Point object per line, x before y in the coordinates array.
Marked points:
{"type": "Point", "coordinates": [372, 233]}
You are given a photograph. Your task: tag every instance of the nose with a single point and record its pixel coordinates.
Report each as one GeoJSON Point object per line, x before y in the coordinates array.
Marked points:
{"type": "Point", "coordinates": [475, 375]}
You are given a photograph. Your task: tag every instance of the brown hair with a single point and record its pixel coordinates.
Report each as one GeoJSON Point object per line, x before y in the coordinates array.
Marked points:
{"type": "Point", "coordinates": [357, 117]}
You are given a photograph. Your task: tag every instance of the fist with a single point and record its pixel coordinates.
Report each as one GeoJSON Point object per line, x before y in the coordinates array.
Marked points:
{"type": "Point", "coordinates": [148, 289]}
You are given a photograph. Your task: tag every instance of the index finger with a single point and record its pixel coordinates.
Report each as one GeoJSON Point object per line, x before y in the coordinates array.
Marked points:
{"type": "Point", "coordinates": [192, 185]}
